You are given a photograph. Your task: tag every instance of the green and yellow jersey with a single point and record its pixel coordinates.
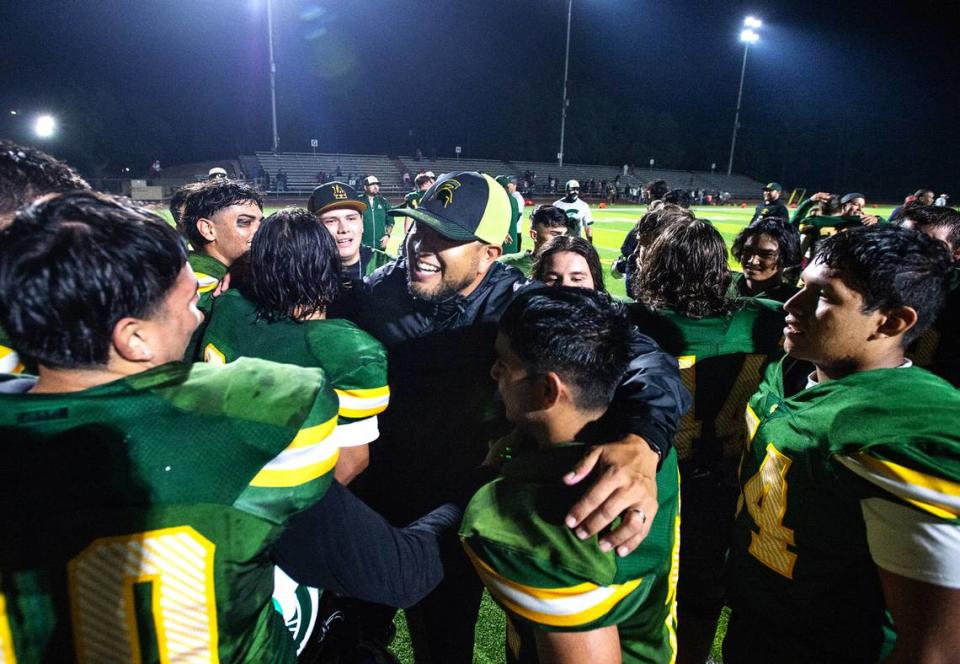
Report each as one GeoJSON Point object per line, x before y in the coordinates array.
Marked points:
{"type": "Point", "coordinates": [143, 529]}
{"type": "Point", "coordinates": [838, 479]}
{"type": "Point", "coordinates": [10, 362]}
{"type": "Point", "coordinates": [354, 363]}
{"type": "Point", "coordinates": [546, 578]}
{"type": "Point", "coordinates": [210, 272]}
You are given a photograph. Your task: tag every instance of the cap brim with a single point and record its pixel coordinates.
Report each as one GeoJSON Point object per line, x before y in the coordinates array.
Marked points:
{"type": "Point", "coordinates": [444, 228]}
{"type": "Point", "coordinates": [359, 206]}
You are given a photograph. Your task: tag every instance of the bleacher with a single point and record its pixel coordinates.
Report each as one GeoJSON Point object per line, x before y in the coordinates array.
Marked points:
{"type": "Point", "coordinates": [302, 169]}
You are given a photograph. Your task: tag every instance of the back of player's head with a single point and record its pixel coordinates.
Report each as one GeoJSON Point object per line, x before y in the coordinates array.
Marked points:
{"type": "Point", "coordinates": [685, 269]}
{"type": "Point", "coordinates": [293, 268]}
{"type": "Point", "coordinates": [210, 197]}
{"type": "Point", "coordinates": [927, 218]}
{"type": "Point", "coordinates": [179, 199]}
{"type": "Point", "coordinates": [651, 224]}
{"type": "Point", "coordinates": [657, 189]}
{"type": "Point", "coordinates": [71, 267]}
{"type": "Point", "coordinates": [575, 245]}
{"type": "Point", "coordinates": [779, 230]}
{"type": "Point", "coordinates": [27, 173]}
{"type": "Point", "coordinates": [831, 207]}
{"type": "Point", "coordinates": [581, 335]}
{"type": "Point", "coordinates": [890, 267]}
{"type": "Point", "coordinates": [549, 216]}
{"type": "Point", "coordinates": [679, 197]}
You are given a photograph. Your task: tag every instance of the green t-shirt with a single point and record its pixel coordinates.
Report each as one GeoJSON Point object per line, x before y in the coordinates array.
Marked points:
{"type": "Point", "coordinates": [376, 223]}
{"type": "Point", "coordinates": [546, 578]}
{"type": "Point", "coordinates": [144, 525]}
{"type": "Point", "coordinates": [721, 364]}
{"type": "Point", "coordinates": [802, 565]}
{"type": "Point", "coordinates": [522, 260]}
{"type": "Point", "coordinates": [354, 363]}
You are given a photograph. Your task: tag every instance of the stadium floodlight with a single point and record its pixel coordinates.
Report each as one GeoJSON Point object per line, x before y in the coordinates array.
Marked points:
{"type": "Point", "coordinates": [13, 112]}
{"type": "Point", "coordinates": [45, 126]}
{"type": "Point", "coordinates": [748, 35]}
{"type": "Point", "coordinates": [566, 70]}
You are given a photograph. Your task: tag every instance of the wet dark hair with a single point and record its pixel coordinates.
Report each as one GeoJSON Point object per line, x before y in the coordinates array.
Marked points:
{"type": "Point", "coordinates": [931, 216]}
{"type": "Point", "coordinates": [651, 224]}
{"type": "Point", "coordinates": [782, 232]}
{"type": "Point", "coordinates": [293, 268]}
{"type": "Point", "coordinates": [71, 267]}
{"type": "Point", "coordinates": [657, 189]}
{"type": "Point", "coordinates": [573, 244]}
{"type": "Point", "coordinates": [27, 174]}
{"type": "Point", "coordinates": [210, 197]}
{"type": "Point", "coordinates": [685, 269]}
{"type": "Point", "coordinates": [549, 216]}
{"type": "Point", "coordinates": [581, 335]}
{"type": "Point", "coordinates": [891, 267]}
{"type": "Point", "coordinates": [179, 199]}
{"type": "Point", "coordinates": [679, 197]}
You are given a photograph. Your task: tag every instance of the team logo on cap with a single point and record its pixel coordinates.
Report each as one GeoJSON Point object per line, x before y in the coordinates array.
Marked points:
{"type": "Point", "coordinates": [445, 192]}
{"type": "Point", "coordinates": [338, 192]}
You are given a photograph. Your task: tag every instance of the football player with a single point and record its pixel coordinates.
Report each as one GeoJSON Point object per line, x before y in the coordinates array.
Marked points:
{"type": "Point", "coordinates": [768, 251]}
{"type": "Point", "coordinates": [157, 490]}
{"type": "Point", "coordinates": [546, 223]}
{"type": "Point", "coordinates": [722, 344]}
{"type": "Point", "coordinates": [577, 210]}
{"type": "Point", "coordinates": [566, 600]}
{"type": "Point", "coordinates": [847, 546]}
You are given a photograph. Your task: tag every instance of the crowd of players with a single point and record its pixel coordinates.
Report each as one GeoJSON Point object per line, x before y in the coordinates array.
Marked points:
{"type": "Point", "coordinates": [185, 409]}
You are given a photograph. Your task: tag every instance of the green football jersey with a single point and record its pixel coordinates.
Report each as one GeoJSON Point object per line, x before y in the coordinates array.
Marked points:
{"type": "Point", "coordinates": [802, 571]}
{"type": "Point", "coordinates": [354, 363]}
{"type": "Point", "coordinates": [210, 272]}
{"type": "Point", "coordinates": [139, 514]}
{"type": "Point", "coordinates": [721, 364]}
{"type": "Point", "coordinates": [546, 578]}
{"type": "Point", "coordinates": [780, 292]}
{"type": "Point", "coordinates": [522, 260]}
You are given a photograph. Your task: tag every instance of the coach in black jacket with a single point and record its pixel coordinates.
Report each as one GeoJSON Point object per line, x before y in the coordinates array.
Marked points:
{"type": "Point", "coordinates": [436, 311]}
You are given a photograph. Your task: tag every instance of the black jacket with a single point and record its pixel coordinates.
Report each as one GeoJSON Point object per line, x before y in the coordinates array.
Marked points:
{"type": "Point", "coordinates": [443, 411]}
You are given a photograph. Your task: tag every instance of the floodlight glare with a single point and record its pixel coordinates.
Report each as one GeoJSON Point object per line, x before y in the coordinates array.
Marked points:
{"type": "Point", "coordinates": [748, 36]}
{"type": "Point", "coordinates": [752, 22]}
{"type": "Point", "coordinates": [45, 126]}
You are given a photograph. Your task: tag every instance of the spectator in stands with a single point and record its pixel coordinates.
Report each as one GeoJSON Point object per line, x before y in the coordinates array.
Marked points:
{"type": "Point", "coordinates": [406, 179]}
{"type": "Point", "coordinates": [772, 206]}
{"type": "Point", "coordinates": [338, 207]}
{"type": "Point", "coordinates": [281, 180]}
{"type": "Point", "coordinates": [376, 224]}
{"type": "Point", "coordinates": [768, 251]}
{"type": "Point", "coordinates": [546, 223]}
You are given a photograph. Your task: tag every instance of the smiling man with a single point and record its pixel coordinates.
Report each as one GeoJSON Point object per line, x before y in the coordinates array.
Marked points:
{"type": "Point", "coordinates": [436, 312]}
{"type": "Point", "coordinates": [337, 207]}
{"type": "Point", "coordinates": [849, 487]}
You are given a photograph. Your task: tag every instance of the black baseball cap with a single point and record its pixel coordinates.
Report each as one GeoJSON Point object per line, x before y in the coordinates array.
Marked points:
{"type": "Point", "coordinates": [464, 206]}
{"type": "Point", "coordinates": [851, 196]}
{"type": "Point", "coordinates": [773, 186]}
{"type": "Point", "coordinates": [333, 196]}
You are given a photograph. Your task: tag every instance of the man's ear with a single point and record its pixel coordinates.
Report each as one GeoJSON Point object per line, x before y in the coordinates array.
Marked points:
{"type": "Point", "coordinates": [206, 229]}
{"type": "Point", "coordinates": [549, 389]}
{"type": "Point", "coordinates": [533, 235]}
{"type": "Point", "coordinates": [130, 340]}
{"type": "Point", "coordinates": [489, 256]}
{"type": "Point", "coordinates": [897, 321]}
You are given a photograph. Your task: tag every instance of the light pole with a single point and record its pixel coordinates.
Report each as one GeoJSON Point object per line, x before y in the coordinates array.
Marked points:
{"type": "Point", "coordinates": [566, 69]}
{"type": "Point", "coordinates": [273, 75]}
{"type": "Point", "coordinates": [748, 35]}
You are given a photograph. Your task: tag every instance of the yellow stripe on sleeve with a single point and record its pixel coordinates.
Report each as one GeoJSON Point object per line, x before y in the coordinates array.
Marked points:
{"type": "Point", "coordinates": [555, 607]}
{"type": "Point", "coordinates": [311, 454]}
{"type": "Point", "coordinates": [360, 403]}
{"type": "Point", "coordinates": [936, 495]}
{"type": "Point", "coordinates": [206, 283]}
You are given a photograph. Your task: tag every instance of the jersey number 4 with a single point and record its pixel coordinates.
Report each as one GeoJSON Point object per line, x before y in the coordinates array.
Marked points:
{"type": "Point", "coordinates": [176, 563]}
{"type": "Point", "coordinates": [765, 495]}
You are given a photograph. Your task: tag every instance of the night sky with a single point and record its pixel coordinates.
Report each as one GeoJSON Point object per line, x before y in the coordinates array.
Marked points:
{"type": "Point", "coordinates": [837, 97]}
